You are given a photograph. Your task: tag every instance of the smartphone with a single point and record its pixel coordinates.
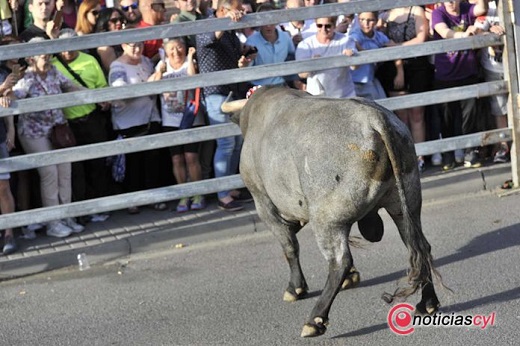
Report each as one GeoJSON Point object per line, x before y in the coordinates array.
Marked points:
{"type": "Point", "coordinates": [252, 50]}
{"type": "Point", "coordinates": [58, 19]}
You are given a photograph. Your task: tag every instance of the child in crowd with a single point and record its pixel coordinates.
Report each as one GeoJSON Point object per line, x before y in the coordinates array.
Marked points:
{"type": "Point", "coordinates": [185, 158]}
{"type": "Point", "coordinates": [367, 37]}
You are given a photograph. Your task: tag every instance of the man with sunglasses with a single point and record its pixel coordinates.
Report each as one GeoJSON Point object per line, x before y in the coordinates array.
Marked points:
{"type": "Point", "coordinates": [131, 11]}
{"type": "Point", "coordinates": [335, 82]}
{"type": "Point", "coordinates": [152, 12]}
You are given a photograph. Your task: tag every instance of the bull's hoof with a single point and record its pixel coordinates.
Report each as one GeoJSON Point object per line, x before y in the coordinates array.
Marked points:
{"type": "Point", "coordinates": [292, 297]}
{"type": "Point", "coordinates": [352, 280]}
{"type": "Point", "coordinates": [314, 329]}
{"type": "Point", "coordinates": [427, 308]}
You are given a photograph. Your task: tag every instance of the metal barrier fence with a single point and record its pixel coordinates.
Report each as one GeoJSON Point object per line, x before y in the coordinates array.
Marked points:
{"type": "Point", "coordinates": [232, 76]}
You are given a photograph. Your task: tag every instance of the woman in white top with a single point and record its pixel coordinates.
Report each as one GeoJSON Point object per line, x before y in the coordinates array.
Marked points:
{"type": "Point", "coordinates": [136, 117]}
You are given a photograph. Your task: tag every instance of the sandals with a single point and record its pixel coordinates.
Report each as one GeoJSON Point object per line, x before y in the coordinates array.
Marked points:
{"type": "Point", "coordinates": [508, 184]}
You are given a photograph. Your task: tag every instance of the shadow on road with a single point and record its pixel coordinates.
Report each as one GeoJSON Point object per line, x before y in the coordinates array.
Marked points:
{"type": "Point", "coordinates": [497, 240]}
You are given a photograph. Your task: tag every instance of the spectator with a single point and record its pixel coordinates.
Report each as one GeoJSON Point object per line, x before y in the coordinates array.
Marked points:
{"type": "Point", "coordinates": [217, 51]}
{"type": "Point", "coordinates": [336, 82]}
{"type": "Point", "coordinates": [152, 12]}
{"type": "Point", "coordinates": [345, 21]}
{"type": "Point", "coordinates": [7, 143]}
{"type": "Point", "coordinates": [244, 33]}
{"type": "Point", "coordinates": [456, 19]}
{"type": "Point", "coordinates": [88, 14]}
{"type": "Point", "coordinates": [185, 158]}
{"type": "Point", "coordinates": [43, 26]}
{"type": "Point", "coordinates": [42, 78]}
{"type": "Point", "coordinates": [408, 26]}
{"type": "Point", "coordinates": [87, 122]}
{"type": "Point", "coordinates": [110, 19]}
{"type": "Point", "coordinates": [493, 69]}
{"type": "Point", "coordinates": [69, 13]}
{"type": "Point", "coordinates": [6, 15]}
{"type": "Point", "coordinates": [131, 10]}
{"type": "Point", "coordinates": [136, 117]}
{"type": "Point", "coordinates": [298, 29]}
{"type": "Point", "coordinates": [188, 13]}
{"type": "Point", "coordinates": [367, 37]}
{"type": "Point", "coordinates": [273, 45]}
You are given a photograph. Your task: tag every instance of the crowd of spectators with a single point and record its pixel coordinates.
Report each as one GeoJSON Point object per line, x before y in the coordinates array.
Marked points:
{"type": "Point", "coordinates": [152, 60]}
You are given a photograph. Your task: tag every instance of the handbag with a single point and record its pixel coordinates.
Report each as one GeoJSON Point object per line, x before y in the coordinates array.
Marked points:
{"type": "Point", "coordinates": [191, 110]}
{"type": "Point", "coordinates": [62, 136]}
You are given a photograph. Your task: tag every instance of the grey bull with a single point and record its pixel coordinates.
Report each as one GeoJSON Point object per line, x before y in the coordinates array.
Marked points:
{"type": "Point", "coordinates": [322, 164]}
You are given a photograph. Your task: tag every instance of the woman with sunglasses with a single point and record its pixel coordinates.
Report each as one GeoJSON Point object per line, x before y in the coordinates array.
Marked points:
{"type": "Point", "coordinates": [109, 19]}
{"type": "Point", "coordinates": [88, 13]}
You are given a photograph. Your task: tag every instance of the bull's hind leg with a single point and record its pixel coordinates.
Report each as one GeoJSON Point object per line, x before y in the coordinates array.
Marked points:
{"type": "Point", "coordinates": [333, 242]}
{"type": "Point", "coordinates": [420, 275]}
{"type": "Point", "coordinates": [285, 232]}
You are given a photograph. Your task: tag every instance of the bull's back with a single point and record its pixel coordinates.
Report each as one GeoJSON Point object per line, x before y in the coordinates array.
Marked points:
{"type": "Point", "coordinates": [305, 151]}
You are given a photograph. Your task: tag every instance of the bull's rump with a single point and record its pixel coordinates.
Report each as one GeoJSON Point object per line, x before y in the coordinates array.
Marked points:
{"type": "Point", "coordinates": [312, 155]}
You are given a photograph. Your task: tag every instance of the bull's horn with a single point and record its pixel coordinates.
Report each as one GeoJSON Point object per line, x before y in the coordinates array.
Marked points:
{"type": "Point", "coordinates": [232, 106]}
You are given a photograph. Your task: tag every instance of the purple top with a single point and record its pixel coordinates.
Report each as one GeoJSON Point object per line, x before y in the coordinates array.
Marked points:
{"type": "Point", "coordinates": [455, 65]}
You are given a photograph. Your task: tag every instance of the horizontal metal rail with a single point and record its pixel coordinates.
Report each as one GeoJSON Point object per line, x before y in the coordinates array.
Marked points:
{"type": "Point", "coordinates": [242, 75]}
{"type": "Point", "coordinates": [170, 193]}
{"type": "Point", "coordinates": [111, 148]}
{"type": "Point", "coordinates": [199, 26]}
{"type": "Point", "coordinates": [98, 205]}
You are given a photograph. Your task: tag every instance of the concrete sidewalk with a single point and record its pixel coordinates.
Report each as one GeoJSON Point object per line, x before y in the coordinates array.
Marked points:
{"type": "Point", "coordinates": [123, 234]}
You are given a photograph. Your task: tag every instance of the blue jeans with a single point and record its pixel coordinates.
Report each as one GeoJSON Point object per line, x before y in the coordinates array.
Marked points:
{"type": "Point", "coordinates": [227, 153]}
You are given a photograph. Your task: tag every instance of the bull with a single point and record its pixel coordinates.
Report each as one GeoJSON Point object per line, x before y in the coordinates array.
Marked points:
{"type": "Point", "coordinates": [322, 164]}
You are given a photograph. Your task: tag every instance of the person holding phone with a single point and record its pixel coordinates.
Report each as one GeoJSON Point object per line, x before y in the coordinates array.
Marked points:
{"type": "Point", "coordinates": [269, 45]}
{"type": "Point", "coordinates": [44, 25]}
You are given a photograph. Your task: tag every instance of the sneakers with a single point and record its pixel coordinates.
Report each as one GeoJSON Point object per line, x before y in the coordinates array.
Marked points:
{"type": "Point", "coordinates": [9, 245]}
{"type": "Point", "coordinates": [29, 231]}
{"type": "Point", "coordinates": [436, 159]}
{"type": "Point", "coordinates": [502, 155]}
{"type": "Point", "coordinates": [183, 206]}
{"type": "Point", "coordinates": [75, 227]}
{"type": "Point", "coordinates": [58, 229]}
{"type": "Point", "coordinates": [198, 202]}
{"type": "Point", "coordinates": [459, 155]}
{"type": "Point", "coordinates": [231, 206]}
{"type": "Point", "coordinates": [472, 159]}
{"type": "Point", "coordinates": [99, 217]}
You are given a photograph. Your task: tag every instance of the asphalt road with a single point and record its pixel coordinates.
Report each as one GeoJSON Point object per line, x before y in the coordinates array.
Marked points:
{"type": "Point", "coordinates": [229, 292]}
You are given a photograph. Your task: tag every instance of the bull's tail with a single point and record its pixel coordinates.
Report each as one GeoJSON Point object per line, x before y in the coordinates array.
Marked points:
{"type": "Point", "coordinates": [411, 230]}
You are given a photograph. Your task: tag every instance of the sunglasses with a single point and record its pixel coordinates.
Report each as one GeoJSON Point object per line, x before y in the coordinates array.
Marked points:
{"type": "Point", "coordinates": [116, 20]}
{"type": "Point", "coordinates": [327, 26]}
{"type": "Point", "coordinates": [95, 13]}
{"type": "Point", "coordinates": [134, 6]}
